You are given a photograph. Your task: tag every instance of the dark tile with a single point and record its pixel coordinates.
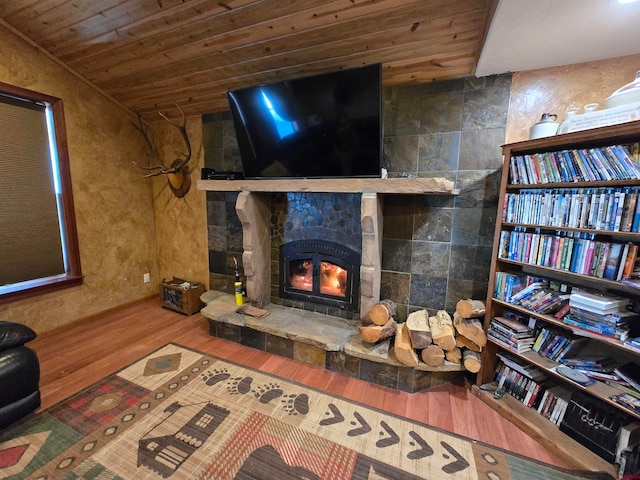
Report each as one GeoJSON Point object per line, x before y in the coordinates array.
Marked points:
{"type": "Point", "coordinates": [218, 282]}
{"type": "Point", "coordinates": [400, 154]}
{"type": "Point", "coordinates": [473, 226]}
{"type": "Point", "coordinates": [432, 224]}
{"type": "Point", "coordinates": [217, 262]}
{"type": "Point", "coordinates": [441, 112]}
{"type": "Point", "coordinates": [408, 116]}
{"type": "Point", "coordinates": [396, 255]}
{"type": "Point", "coordinates": [398, 211]}
{"type": "Point", "coordinates": [395, 286]}
{"type": "Point", "coordinates": [412, 380]}
{"type": "Point", "coordinates": [435, 201]}
{"type": "Point", "coordinates": [228, 135]}
{"type": "Point", "coordinates": [252, 338]}
{"type": "Point", "coordinates": [216, 212]}
{"type": "Point", "coordinates": [227, 331]}
{"type": "Point", "coordinates": [428, 291]}
{"type": "Point", "coordinates": [379, 373]}
{"type": "Point", "coordinates": [212, 133]}
{"type": "Point", "coordinates": [481, 149]}
{"type": "Point", "coordinates": [214, 158]}
{"type": "Point", "coordinates": [445, 86]}
{"type": "Point", "coordinates": [279, 346]}
{"type": "Point", "coordinates": [470, 262]}
{"type": "Point", "coordinates": [344, 364]}
{"type": "Point", "coordinates": [231, 160]}
{"type": "Point", "coordinates": [478, 188]}
{"type": "Point", "coordinates": [462, 289]}
{"type": "Point", "coordinates": [439, 152]}
{"type": "Point", "coordinates": [485, 108]}
{"type": "Point", "coordinates": [430, 258]}
{"type": "Point", "coordinates": [309, 354]}
{"type": "Point", "coordinates": [217, 237]}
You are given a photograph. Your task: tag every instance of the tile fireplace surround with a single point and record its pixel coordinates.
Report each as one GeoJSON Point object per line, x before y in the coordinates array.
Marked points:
{"type": "Point", "coordinates": [315, 338]}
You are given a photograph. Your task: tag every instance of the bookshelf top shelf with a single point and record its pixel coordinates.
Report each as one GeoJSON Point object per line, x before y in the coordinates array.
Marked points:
{"type": "Point", "coordinates": [621, 133]}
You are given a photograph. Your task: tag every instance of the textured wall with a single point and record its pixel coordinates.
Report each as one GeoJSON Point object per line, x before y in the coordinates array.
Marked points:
{"type": "Point", "coordinates": [113, 203]}
{"type": "Point", "coordinates": [181, 223]}
{"type": "Point", "coordinates": [555, 90]}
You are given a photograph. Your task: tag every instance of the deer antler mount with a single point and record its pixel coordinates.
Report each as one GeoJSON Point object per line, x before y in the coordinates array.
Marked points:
{"type": "Point", "coordinates": [177, 172]}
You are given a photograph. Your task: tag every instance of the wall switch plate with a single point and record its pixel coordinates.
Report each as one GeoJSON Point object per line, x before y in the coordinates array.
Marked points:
{"type": "Point", "coordinates": [146, 277]}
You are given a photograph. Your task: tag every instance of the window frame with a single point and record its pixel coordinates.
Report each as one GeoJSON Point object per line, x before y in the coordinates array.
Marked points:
{"type": "Point", "coordinates": [69, 234]}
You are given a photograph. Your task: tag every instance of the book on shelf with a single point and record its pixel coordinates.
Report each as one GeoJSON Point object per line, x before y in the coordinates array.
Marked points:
{"type": "Point", "coordinates": [574, 165]}
{"type": "Point", "coordinates": [519, 385]}
{"type": "Point", "coordinates": [554, 402]}
{"type": "Point", "coordinates": [600, 363]}
{"type": "Point", "coordinates": [628, 401]}
{"type": "Point", "coordinates": [516, 363]}
{"type": "Point", "coordinates": [632, 344]}
{"type": "Point", "coordinates": [596, 302]}
{"type": "Point", "coordinates": [630, 372]}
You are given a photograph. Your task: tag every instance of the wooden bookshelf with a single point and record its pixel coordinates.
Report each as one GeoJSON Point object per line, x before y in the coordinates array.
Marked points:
{"type": "Point", "coordinates": [596, 141]}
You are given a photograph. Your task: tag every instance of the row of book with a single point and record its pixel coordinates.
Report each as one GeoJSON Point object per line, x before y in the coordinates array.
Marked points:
{"type": "Point", "coordinates": [555, 344]}
{"type": "Point", "coordinates": [510, 334]}
{"type": "Point", "coordinates": [531, 386]}
{"type": "Point", "coordinates": [574, 165]}
{"type": "Point", "coordinates": [518, 383]}
{"type": "Point", "coordinates": [539, 295]}
{"type": "Point", "coordinates": [605, 209]}
{"type": "Point", "coordinates": [571, 251]}
{"type": "Point", "coordinates": [603, 314]}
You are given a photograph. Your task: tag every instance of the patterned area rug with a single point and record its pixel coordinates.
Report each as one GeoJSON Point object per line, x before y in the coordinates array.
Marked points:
{"type": "Point", "coordinates": [181, 414]}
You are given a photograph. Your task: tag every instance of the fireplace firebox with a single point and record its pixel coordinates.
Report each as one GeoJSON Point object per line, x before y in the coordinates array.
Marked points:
{"type": "Point", "coordinates": [320, 272]}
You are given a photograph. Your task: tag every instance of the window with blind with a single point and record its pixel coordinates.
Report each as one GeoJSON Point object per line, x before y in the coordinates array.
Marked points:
{"type": "Point", "coordinates": [38, 240]}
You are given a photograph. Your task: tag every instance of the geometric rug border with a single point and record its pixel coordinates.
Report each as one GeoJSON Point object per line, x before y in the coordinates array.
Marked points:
{"type": "Point", "coordinates": [586, 474]}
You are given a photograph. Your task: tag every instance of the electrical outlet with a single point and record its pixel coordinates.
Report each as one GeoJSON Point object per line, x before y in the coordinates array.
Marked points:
{"type": "Point", "coordinates": [146, 277]}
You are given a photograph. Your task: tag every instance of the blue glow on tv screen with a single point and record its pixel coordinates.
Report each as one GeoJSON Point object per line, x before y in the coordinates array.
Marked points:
{"type": "Point", "coordinates": [322, 126]}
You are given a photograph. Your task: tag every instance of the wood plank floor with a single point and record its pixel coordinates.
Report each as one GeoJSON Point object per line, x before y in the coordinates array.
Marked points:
{"type": "Point", "coordinates": [78, 355]}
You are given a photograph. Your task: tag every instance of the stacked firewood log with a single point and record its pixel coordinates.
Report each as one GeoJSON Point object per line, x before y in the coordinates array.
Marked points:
{"type": "Point", "coordinates": [430, 339]}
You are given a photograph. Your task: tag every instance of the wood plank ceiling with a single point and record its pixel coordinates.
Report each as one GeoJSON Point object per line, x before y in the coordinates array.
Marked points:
{"type": "Point", "coordinates": [148, 54]}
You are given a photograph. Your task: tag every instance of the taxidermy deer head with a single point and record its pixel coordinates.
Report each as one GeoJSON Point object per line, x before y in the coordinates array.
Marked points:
{"type": "Point", "coordinates": [178, 176]}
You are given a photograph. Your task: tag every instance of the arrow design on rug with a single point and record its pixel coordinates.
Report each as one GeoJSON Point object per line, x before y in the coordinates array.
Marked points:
{"type": "Point", "coordinates": [392, 439]}
{"type": "Point", "coordinates": [362, 429]}
{"type": "Point", "coordinates": [424, 451]}
{"type": "Point", "coordinates": [337, 416]}
{"type": "Point", "coordinates": [458, 464]}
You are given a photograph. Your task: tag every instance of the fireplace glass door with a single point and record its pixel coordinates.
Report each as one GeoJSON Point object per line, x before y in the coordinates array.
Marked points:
{"type": "Point", "coordinates": [328, 274]}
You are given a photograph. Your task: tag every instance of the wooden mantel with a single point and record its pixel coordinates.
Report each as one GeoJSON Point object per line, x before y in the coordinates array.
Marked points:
{"type": "Point", "coordinates": [419, 186]}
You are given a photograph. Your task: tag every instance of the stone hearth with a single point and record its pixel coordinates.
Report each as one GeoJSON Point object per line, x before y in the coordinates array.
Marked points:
{"type": "Point", "coordinates": [321, 340]}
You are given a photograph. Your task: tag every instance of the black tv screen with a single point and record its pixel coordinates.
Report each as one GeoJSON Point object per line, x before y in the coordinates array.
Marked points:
{"type": "Point", "coordinates": [323, 126]}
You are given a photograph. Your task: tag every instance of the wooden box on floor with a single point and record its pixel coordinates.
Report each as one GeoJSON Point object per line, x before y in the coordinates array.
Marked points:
{"type": "Point", "coordinates": [176, 295]}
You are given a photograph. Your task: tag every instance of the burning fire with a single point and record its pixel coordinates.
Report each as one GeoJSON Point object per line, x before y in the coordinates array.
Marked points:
{"type": "Point", "coordinates": [333, 278]}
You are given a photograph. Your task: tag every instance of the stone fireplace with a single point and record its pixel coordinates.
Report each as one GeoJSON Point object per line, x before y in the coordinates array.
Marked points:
{"type": "Point", "coordinates": [254, 210]}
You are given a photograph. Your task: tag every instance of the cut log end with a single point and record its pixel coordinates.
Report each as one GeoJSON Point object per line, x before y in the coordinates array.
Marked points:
{"type": "Point", "coordinates": [471, 361]}
{"type": "Point", "coordinates": [471, 308]}
{"type": "Point", "coordinates": [375, 333]}
{"type": "Point", "coordinates": [433, 356]}
{"type": "Point", "coordinates": [382, 311]}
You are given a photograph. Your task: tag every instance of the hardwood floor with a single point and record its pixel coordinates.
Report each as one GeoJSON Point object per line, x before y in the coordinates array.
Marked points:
{"type": "Point", "coordinates": [78, 355]}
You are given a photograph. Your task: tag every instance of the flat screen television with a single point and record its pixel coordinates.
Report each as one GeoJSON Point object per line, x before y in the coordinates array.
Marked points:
{"type": "Point", "coordinates": [322, 126]}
